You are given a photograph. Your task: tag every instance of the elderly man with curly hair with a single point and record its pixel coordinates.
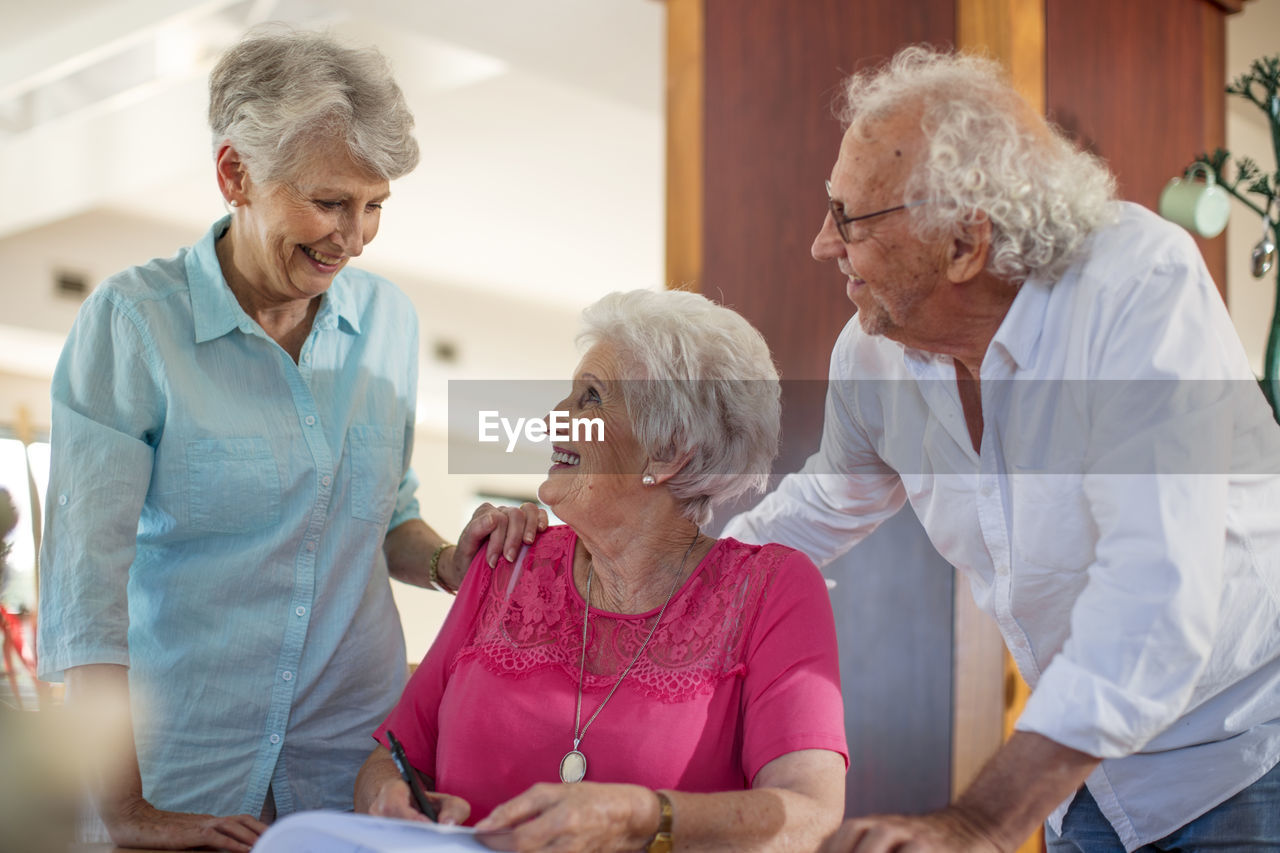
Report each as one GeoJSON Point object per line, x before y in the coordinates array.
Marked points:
{"type": "Point", "coordinates": [1049, 377]}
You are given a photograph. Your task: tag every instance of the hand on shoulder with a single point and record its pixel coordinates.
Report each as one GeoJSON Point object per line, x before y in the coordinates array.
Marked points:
{"type": "Point", "coordinates": [500, 531]}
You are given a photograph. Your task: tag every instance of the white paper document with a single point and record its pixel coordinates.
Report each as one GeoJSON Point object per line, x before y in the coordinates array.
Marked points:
{"type": "Point", "coordinates": [344, 832]}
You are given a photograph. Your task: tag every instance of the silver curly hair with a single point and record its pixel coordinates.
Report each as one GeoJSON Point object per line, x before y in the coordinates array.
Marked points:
{"type": "Point", "coordinates": [707, 387]}
{"type": "Point", "coordinates": [279, 94]}
{"type": "Point", "coordinates": [989, 155]}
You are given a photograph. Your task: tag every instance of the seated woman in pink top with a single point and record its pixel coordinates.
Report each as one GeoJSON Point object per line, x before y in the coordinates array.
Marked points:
{"type": "Point", "coordinates": [630, 682]}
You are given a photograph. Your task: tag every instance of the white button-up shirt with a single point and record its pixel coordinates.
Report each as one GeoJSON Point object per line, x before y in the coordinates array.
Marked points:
{"type": "Point", "coordinates": [1121, 522]}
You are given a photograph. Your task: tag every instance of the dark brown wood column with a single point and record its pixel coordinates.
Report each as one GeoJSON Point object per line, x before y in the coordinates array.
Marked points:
{"type": "Point", "coordinates": [1141, 84]}
{"type": "Point", "coordinates": [770, 72]}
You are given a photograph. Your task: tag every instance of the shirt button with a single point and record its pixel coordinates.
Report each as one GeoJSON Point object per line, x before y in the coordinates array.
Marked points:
{"type": "Point", "coordinates": [311, 420]}
{"type": "Point", "coordinates": [62, 500]}
{"type": "Point", "coordinates": [286, 675]}
{"type": "Point", "coordinates": [987, 490]}
{"type": "Point", "coordinates": [301, 611]}
{"type": "Point", "coordinates": [326, 479]}
{"type": "Point", "coordinates": [274, 738]}
{"type": "Point", "coordinates": [311, 546]}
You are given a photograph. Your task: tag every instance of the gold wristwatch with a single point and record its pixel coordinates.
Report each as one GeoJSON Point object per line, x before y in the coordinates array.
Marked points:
{"type": "Point", "coordinates": [433, 571]}
{"type": "Point", "coordinates": [661, 841]}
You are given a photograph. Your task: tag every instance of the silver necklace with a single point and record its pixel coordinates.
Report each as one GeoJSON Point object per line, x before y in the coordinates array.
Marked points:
{"type": "Point", "coordinates": [573, 767]}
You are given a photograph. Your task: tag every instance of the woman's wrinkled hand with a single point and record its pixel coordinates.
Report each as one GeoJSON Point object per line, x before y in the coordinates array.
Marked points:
{"type": "Point", "coordinates": [395, 800]}
{"type": "Point", "coordinates": [505, 528]}
{"type": "Point", "coordinates": [586, 816]}
{"type": "Point", "coordinates": [140, 824]}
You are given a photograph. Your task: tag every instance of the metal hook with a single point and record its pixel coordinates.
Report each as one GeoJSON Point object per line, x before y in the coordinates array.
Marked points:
{"type": "Point", "coordinates": [1263, 257]}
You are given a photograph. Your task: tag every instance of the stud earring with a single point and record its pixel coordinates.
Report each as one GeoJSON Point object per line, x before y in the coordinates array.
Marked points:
{"type": "Point", "coordinates": [233, 203]}
{"type": "Point", "coordinates": [648, 480]}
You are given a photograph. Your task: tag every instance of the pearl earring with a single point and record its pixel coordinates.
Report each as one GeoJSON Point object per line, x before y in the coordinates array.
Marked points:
{"type": "Point", "coordinates": [648, 480]}
{"type": "Point", "coordinates": [233, 203]}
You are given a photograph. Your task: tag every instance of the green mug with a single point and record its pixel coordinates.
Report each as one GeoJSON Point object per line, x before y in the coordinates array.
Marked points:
{"type": "Point", "coordinates": [1201, 207]}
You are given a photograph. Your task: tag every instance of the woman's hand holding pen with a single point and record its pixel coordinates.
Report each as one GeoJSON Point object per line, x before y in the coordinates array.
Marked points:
{"type": "Point", "coordinates": [381, 790]}
{"type": "Point", "coordinates": [394, 800]}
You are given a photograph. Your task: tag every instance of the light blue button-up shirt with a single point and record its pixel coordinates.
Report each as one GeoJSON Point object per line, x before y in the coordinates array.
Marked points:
{"type": "Point", "coordinates": [216, 523]}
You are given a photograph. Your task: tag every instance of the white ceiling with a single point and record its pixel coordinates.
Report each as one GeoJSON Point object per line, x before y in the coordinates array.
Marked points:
{"type": "Point", "coordinates": [540, 186]}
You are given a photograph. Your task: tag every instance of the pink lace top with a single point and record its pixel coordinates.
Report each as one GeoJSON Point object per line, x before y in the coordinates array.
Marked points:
{"type": "Point", "coordinates": [741, 670]}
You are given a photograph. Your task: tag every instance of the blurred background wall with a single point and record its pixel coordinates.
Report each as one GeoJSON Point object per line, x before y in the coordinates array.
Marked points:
{"type": "Point", "coordinates": [539, 190]}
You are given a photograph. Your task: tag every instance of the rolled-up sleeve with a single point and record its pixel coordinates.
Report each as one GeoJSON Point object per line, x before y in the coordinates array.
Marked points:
{"type": "Point", "coordinates": [407, 493]}
{"type": "Point", "coordinates": [107, 412]}
{"type": "Point", "coordinates": [1142, 629]}
{"type": "Point", "coordinates": [843, 492]}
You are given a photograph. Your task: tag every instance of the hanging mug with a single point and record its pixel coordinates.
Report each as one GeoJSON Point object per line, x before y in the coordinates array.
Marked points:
{"type": "Point", "coordinates": [1201, 207]}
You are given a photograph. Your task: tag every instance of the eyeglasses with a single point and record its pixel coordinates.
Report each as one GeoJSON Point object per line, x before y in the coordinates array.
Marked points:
{"type": "Point", "coordinates": [837, 213]}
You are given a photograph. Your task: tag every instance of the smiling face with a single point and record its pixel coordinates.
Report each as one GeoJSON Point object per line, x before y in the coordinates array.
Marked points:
{"type": "Point", "coordinates": [293, 236]}
{"type": "Point", "coordinates": [891, 275]}
{"type": "Point", "coordinates": [589, 480]}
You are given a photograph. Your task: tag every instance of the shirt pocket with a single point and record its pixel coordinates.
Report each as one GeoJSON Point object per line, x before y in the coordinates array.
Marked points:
{"type": "Point", "coordinates": [1052, 523]}
{"type": "Point", "coordinates": [376, 454]}
{"type": "Point", "coordinates": [233, 485]}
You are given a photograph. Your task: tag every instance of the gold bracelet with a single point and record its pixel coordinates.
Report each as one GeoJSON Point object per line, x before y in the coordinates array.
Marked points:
{"type": "Point", "coordinates": [661, 841]}
{"type": "Point", "coordinates": [433, 574]}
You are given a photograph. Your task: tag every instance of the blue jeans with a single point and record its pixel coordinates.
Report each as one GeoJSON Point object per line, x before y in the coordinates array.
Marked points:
{"type": "Point", "coordinates": [1249, 821]}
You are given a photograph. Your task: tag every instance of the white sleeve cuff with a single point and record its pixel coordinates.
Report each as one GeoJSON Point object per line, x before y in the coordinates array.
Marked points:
{"type": "Point", "coordinates": [1077, 709]}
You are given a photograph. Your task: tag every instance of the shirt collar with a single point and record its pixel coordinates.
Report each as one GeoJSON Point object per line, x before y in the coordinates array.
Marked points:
{"type": "Point", "coordinates": [1018, 335]}
{"type": "Point", "coordinates": [1020, 331]}
{"type": "Point", "coordinates": [214, 308]}
{"type": "Point", "coordinates": [216, 311]}
{"type": "Point", "coordinates": [338, 308]}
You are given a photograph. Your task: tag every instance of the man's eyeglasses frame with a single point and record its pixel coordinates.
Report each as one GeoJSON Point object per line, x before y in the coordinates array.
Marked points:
{"type": "Point", "coordinates": [837, 214]}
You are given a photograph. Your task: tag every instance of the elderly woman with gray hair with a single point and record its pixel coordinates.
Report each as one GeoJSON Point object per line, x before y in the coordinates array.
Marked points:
{"type": "Point", "coordinates": [230, 484]}
{"type": "Point", "coordinates": [630, 682]}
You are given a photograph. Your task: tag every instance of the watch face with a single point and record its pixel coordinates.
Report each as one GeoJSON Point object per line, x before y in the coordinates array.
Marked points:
{"type": "Point", "coordinates": [660, 844]}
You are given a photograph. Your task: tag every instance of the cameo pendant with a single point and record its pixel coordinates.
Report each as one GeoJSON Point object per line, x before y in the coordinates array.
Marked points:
{"type": "Point", "coordinates": [573, 767]}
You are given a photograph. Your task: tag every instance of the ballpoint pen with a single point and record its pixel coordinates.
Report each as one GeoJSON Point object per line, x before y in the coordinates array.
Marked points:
{"type": "Point", "coordinates": [410, 777]}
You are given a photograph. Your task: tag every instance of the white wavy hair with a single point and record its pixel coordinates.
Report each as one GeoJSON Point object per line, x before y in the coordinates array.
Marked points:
{"type": "Point", "coordinates": [990, 155]}
{"type": "Point", "coordinates": [707, 388]}
{"type": "Point", "coordinates": [280, 93]}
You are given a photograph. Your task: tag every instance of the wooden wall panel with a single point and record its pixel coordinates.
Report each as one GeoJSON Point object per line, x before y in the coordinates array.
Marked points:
{"type": "Point", "coordinates": [686, 40]}
{"type": "Point", "coordinates": [771, 78]}
{"type": "Point", "coordinates": [1129, 81]}
{"type": "Point", "coordinates": [1012, 32]}
{"type": "Point", "coordinates": [1213, 84]}
{"type": "Point", "coordinates": [772, 71]}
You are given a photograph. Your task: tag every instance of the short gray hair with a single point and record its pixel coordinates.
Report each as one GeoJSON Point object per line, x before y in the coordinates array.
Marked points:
{"type": "Point", "coordinates": [277, 94]}
{"type": "Point", "coordinates": [1042, 195]}
{"type": "Point", "coordinates": [709, 389]}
